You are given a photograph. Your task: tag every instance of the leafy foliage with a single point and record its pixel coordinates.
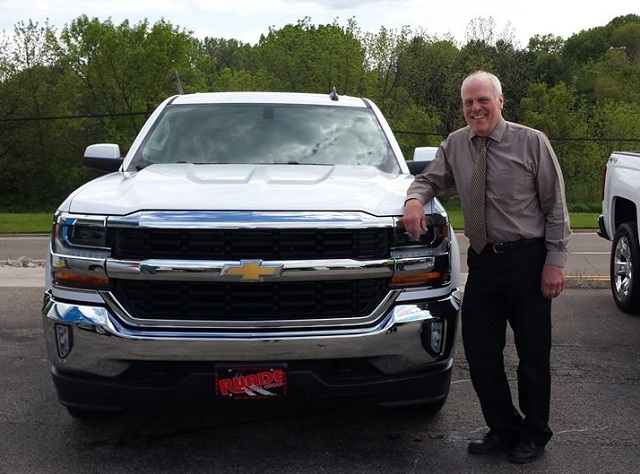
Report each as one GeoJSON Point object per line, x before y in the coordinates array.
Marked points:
{"type": "Point", "coordinates": [95, 81]}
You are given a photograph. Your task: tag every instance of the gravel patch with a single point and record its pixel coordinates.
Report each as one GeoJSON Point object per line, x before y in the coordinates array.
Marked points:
{"type": "Point", "coordinates": [21, 262]}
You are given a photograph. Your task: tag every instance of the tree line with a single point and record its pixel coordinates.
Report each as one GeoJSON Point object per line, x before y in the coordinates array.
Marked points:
{"type": "Point", "coordinates": [95, 81]}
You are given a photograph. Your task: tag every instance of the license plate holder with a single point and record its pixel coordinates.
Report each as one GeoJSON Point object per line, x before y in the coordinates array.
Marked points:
{"type": "Point", "coordinates": [251, 382]}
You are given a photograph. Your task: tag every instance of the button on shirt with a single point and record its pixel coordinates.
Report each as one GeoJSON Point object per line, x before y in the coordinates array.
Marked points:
{"type": "Point", "coordinates": [525, 195]}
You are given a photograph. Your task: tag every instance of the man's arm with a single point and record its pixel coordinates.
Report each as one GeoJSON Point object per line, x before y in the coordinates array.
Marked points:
{"type": "Point", "coordinates": [551, 195]}
{"type": "Point", "coordinates": [423, 189]}
{"type": "Point", "coordinates": [414, 219]}
{"type": "Point", "coordinates": [557, 231]}
{"type": "Point", "coordinates": [552, 281]}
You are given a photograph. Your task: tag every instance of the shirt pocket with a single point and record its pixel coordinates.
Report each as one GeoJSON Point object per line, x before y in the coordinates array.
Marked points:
{"type": "Point", "coordinates": [512, 181]}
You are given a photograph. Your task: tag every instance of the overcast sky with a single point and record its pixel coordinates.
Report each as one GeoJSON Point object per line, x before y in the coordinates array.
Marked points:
{"type": "Point", "coordinates": [246, 20]}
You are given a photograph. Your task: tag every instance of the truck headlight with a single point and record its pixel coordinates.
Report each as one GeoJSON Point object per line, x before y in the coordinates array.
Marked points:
{"type": "Point", "coordinates": [424, 262]}
{"type": "Point", "coordinates": [79, 249]}
{"type": "Point", "coordinates": [80, 232]}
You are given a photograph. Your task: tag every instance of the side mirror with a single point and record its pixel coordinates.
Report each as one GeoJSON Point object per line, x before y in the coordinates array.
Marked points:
{"type": "Point", "coordinates": [103, 157]}
{"type": "Point", "coordinates": [422, 156]}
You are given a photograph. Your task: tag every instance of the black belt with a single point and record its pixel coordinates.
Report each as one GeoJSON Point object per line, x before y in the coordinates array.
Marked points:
{"type": "Point", "coordinates": [510, 246]}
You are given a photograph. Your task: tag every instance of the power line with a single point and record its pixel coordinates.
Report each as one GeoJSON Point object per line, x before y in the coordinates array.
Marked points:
{"type": "Point", "coordinates": [70, 117]}
{"type": "Point", "coordinates": [558, 139]}
{"type": "Point", "coordinates": [397, 132]}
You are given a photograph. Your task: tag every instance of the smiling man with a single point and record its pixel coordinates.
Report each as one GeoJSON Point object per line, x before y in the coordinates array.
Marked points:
{"type": "Point", "coordinates": [512, 194]}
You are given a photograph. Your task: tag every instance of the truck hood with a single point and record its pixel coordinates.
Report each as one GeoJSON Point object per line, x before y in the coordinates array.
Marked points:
{"type": "Point", "coordinates": [243, 187]}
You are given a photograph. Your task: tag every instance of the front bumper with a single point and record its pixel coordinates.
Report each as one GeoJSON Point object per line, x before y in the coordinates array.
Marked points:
{"type": "Point", "coordinates": [98, 362]}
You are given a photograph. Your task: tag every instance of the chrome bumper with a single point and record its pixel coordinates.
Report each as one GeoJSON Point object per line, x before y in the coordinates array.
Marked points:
{"type": "Point", "coordinates": [96, 343]}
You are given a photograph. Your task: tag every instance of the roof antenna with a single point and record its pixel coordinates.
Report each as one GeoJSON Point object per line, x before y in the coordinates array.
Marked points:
{"type": "Point", "coordinates": [334, 94]}
{"type": "Point", "coordinates": [179, 83]}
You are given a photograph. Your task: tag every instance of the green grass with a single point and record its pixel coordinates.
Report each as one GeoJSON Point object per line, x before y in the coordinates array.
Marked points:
{"type": "Point", "coordinates": [41, 223]}
{"type": "Point", "coordinates": [25, 223]}
{"type": "Point", "coordinates": [583, 220]}
{"type": "Point", "coordinates": [578, 220]}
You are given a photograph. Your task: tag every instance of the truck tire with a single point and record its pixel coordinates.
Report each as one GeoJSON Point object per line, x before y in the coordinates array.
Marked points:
{"type": "Point", "coordinates": [625, 257]}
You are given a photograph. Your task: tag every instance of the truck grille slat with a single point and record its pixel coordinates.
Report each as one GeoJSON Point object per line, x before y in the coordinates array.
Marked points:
{"type": "Point", "coordinates": [236, 244]}
{"type": "Point", "coordinates": [208, 301]}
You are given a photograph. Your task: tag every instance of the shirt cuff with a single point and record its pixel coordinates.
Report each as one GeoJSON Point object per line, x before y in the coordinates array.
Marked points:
{"type": "Point", "coordinates": [414, 196]}
{"type": "Point", "coordinates": [557, 259]}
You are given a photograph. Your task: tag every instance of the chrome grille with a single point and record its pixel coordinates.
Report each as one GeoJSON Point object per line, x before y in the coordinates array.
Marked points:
{"type": "Point", "coordinates": [237, 244]}
{"type": "Point", "coordinates": [208, 301]}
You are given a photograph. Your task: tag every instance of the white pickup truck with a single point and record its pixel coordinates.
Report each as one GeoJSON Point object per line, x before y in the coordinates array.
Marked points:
{"type": "Point", "coordinates": [247, 247]}
{"type": "Point", "coordinates": [619, 223]}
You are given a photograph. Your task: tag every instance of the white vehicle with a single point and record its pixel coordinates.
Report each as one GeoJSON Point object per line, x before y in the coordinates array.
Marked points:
{"type": "Point", "coordinates": [247, 247]}
{"type": "Point", "coordinates": [619, 223]}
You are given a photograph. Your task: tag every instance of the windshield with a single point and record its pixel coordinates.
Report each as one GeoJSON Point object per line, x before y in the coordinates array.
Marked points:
{"type": "Point", "coordinates": [266, 134]}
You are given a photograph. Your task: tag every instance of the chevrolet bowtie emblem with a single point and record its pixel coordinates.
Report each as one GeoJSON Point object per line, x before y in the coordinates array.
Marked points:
{"type": "Point", "coordinates": [251, 270]}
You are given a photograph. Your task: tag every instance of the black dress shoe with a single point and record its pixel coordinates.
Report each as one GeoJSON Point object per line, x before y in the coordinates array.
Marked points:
{"type": "Point", "coordinates": [525, 451]}
{"type": "Point", "coordinates": [489, 444]}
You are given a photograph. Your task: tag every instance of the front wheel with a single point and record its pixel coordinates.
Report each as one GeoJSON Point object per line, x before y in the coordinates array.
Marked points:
{"type": "Point", "coordinates": [625, 256]}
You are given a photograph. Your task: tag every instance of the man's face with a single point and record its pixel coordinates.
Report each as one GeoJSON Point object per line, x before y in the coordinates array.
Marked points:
{"type": "Point", "coordinates": [482, 109]}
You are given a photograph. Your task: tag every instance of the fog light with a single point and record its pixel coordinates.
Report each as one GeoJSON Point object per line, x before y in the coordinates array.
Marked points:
{"type": "Point", "coordinates": [64, 340]}
{"type": "Point", "coordinates": [433, 337]}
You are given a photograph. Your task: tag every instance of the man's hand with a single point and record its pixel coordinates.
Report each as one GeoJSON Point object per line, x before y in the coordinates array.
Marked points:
{"type": "Point", "coordinates": [552, 281]}
{"type": "Point", "coordinates": [414, 220]}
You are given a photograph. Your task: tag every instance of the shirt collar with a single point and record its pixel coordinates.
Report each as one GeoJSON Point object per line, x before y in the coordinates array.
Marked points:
{"type": "Point", "coordinates": [496, 134]}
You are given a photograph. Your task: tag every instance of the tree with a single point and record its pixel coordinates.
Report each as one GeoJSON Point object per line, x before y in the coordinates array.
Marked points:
{"type": "Point", "coordinates": [619, 120]}
{"type": "Point", "coordinates": [308, 58]}
{"type": "Point", "coordinates": [116, 74]}
{"type": "Point", "coordinates": [31, 150]}
{"type": "Point", "coordinates": [96, 81]}
{"type": "Point", "coordinates": [615, 78]}
{"type": "Point", "coordinates": [228, 53]}
{"type": "Point", "coordinates": [627, 38]}
{"type": "Point", "coordinates": [481, 30]}
{"type": "Point", "coordinates": [548, 66]}
{"type": "Point", "coordinates": [588, 45]}
{"type": "Point", "coordinates": [428, 70]}
{"type": "Point", "coordinates": [515, 68]}
{"type": "Point", "coordinates": [131, 68]}
{"type": "Point", "coordinates": [559, 113]}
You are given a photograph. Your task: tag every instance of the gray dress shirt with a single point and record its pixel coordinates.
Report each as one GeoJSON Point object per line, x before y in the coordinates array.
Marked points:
{"type": "Point", "coordinates": [525, 195]}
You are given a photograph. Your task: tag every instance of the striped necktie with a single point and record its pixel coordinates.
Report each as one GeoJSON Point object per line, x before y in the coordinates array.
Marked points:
{"type": "Point", "coordinates": [477, 226]}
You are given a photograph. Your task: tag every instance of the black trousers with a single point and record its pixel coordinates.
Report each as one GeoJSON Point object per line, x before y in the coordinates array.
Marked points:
{"type": "Point", "coordinates": [504, 288]}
